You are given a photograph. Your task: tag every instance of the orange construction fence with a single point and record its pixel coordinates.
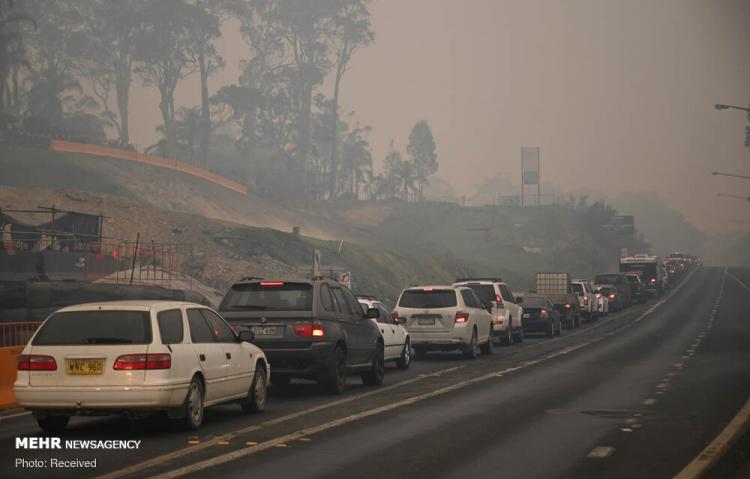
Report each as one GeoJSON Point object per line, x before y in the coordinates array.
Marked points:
{"type": "Point", "coordinates": [153, 160]}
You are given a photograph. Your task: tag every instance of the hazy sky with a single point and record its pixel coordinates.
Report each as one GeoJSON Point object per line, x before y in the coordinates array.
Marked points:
{"type": "Point", "coordinates": [618, 94]}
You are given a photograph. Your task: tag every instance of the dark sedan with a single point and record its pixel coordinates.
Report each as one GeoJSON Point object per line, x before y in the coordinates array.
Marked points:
{"type": "Point", "coordinates": [540, 316]}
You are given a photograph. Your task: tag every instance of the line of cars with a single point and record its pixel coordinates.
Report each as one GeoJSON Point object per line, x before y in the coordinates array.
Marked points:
{"type": "Point", "coordinates": [137, 357]}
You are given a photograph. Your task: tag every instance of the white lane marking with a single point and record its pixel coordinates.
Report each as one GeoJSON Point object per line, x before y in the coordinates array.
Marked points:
{"type": "Point", "coordinates": [727, 273]}
{"type": "Point", "coordinates": [215, 441]}
{"type": "Point", "coordinates": [238, 454]}
{"type": "Point", "coordinates": [601, 452]}
{"type": "Point", "coordinates": [3, 418]}
{"type": "Point", "coordinates": [719, 446]}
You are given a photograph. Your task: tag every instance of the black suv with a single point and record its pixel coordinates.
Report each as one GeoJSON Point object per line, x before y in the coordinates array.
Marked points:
{"type": "Point", "coordinates": [308, 328]}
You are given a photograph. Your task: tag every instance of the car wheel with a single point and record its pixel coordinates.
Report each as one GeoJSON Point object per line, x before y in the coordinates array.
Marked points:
{"type": "Point", "coordinates": [53, 424]}
{"type": "Point", "coordinates": [551, 331]}
{"type": "Point", "coordinates": [519, 337]}
{"type": "Point", "coordinates": [256, 396]}
{"type": "Point", "coordinates": [489, 347]}
{"type": "Point", "coordinates": [508, 337]}
{"type": "Point", "coordinates": [336, 382]}
{"type": "Point", "coordinates": [471, 351]}
{"type": "Point", "coordinates": [559, 328]}
{"type": "Point", "coordinates": [405, 360]}
{"type": "Point", "coordinates": [374, 377]}
{"type": "Point", "coordinates": [194, 404]}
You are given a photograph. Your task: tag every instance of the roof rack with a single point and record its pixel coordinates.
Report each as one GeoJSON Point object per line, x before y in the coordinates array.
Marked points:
{"type": "Point", "coordinates": [464, 280]}
{"type": "Point", "coordinates": [366, 296]}
{"type": "Point", "coordinates": [250, 278]}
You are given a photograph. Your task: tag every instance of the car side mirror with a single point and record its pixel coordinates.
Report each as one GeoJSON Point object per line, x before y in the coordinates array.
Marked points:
{"type": "Point", "coordinates": [247, 336]}
{"type": "Point", "coordinates": [372, 313]}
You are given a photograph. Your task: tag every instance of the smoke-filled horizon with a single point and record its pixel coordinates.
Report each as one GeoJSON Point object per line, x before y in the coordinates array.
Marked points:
{"type": "Point", "coordinates": [618, 95]}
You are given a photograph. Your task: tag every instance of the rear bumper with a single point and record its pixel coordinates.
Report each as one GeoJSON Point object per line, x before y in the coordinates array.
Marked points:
{"type": "Point", "coordinates": [445, 341]}
{"type": "Point", "coordinates": [308, 362]}
{"type": "Point", "coordinates": [101, 398]}
{"type": "Point", "coordinates": [536, 325]}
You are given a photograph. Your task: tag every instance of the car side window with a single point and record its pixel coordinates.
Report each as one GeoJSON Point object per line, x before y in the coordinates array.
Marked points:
{"type": "Point", "coordinates": [468, 298]}
{"type": "Point", "coordinates": [385, 315]}
{"type": "Point", "coordinates": [505, 293]}
{"type": "Point", "coordinates": [199, 330]}
{"type": "Point", "coordinates": [325, 298]}
{"type": "Point", "coordinates": [170, 326]}
{"type": "Point", "coordinates": [353, 303]}
{"type": "Point", "coordinates": [219, 328]}
{"type": "Point", "coordinates": [338, 297]}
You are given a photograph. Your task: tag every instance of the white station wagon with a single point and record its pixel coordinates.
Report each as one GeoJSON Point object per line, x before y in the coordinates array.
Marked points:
{"type": "Point", "coordinates": [138, 356]}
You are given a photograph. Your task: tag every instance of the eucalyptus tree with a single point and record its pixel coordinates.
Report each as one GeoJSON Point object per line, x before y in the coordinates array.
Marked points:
{"type": "Point", "coordinates": [12, 53]}
{"type": "Point", "coordinates": [163, 51]}
{"type": "Point", "coordinates": [422, 151]}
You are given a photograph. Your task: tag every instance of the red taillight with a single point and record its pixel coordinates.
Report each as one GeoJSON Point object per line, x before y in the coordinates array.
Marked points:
{"type": "Point", "coordinates": [499, 300]}
{"type": "Point", "coordinates": [653, 280]}
{"type": "Point", "coordinates": [567, 305]}
{"type": "Point", "coordinates": [309, 330]}
{"type": "Point", "coordinates": [612, 296]}
{"type": "Point", "coordinates": [394, 315]}
{"type": "Point", "coordinates": [36, 362]}
{"type": "Point", "coordinates": [544, 314]}
{"type": "Point", "coordinates": [135, 362]}
{"type": "Point", "coordinates": [585, 300]}
{"type": "Point", "coordinates": [271, 284]}
{"type": "Point", "coordinates": [461, 317]}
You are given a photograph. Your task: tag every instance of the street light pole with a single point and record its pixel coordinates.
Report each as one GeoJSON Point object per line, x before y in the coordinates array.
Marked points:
{"type": "Point", "coordinates": [721, 106]}
{"type": "Point", "coordinates": [715, 173]}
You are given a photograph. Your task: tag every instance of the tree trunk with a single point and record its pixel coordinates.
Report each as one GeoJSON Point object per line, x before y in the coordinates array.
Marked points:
{"type": "Point", "coordinates": [167, 114]}
{"type": "Point", "coordinates": [204, 128]}
{"type": "Point", "coordinates": [335, 138]}
{"type": "Point", "coordinates": [123, 94]}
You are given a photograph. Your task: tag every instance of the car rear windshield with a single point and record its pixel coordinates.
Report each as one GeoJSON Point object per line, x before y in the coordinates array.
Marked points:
{"type": "Point", "coordinates": [95, 327]}
{"type": "Point", "coordinates": [486, 292]}
{"type": "Point", "coordinates": [577, 288]}
{"type": "Point", "coordinates": [534, 302]}
{"type": "Point", "coordinates": [607, 278]}
{"type": "Point", "coordinates": [424, 299]}
{"type": "Point", "coordinates": [269, 296]}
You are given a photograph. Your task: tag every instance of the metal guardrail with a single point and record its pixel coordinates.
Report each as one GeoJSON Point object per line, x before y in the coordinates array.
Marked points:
{"type": "Point", "coordinates": [17, 334]}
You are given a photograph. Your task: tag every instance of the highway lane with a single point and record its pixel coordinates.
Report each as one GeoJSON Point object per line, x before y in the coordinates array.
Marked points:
{"type": "Point", "coordinates": [550, 399]}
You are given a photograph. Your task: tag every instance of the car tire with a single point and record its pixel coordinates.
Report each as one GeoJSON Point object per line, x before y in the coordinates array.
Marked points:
{"type": "Point", "coordinates": [404, 361]}
{"type": "Point", "coordinates": [519, 337]}
{"type": "Point", "coordinates": [559, 328]}
{"type": "Point", "coordinates": [53, 424]}
{"type": "Point", "coordinates": [374, 377]}
{"type": "Point", "coordinates": [256, 395]}
{"type": "Point", "coordinates": [336, 381]}
{"type": "Point", "coordinates": [551, 331]}
{"type": "Point", "coordinates": [471, 351]}
{"type": "Point", "coordinates": [194, 408]}
{"type": "Point", "coordinates": [489, 347]}
{"type": "Point", "coordinates": [508, 336]}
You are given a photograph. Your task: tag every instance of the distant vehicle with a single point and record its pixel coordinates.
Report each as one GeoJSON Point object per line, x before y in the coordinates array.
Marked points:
{"type": "Point", "coordinates": [136, 356]}
{"type": "Point", "coordinates": [499, 300]}
{"type": "Point", "coordinates": [602, 303]}
{"type": "Point", "coordinates": [619, 281]}
{"type": "Point", "coordinates": [648, 268]}
{"type": "Point", "coordinates": [309, 329]}
{"type": "Point", "coordinates": [445, 318]}
{"type": "Point", "coordinates": [612, 296]}
{"type": "Point", "coordinates": [395, 336]}
{"type": "Point", "coordinates": [540, 315]}
{"type": "Point", "coordinates": [586, 298]}
{"type": "Point", "coordinates": [557, 287]}
{"type": "Point", "coordinates": [637, 287]}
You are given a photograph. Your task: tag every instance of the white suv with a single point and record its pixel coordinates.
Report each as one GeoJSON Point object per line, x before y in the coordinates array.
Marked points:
{"type": "Point", "coordinates": [135, 357]}
{"type": "Point", "coordinates": [395, 337]}
{"type": "Point", "coordinates": [444, 318]}
{"type": "Point", "coordinates": [586, 298]}
{"type": "Point", "coordinates": [507, 313]}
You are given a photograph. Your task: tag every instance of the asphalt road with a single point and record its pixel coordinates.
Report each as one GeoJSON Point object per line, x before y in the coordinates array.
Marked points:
{"type": "Point", "coordinates": [636, 394]}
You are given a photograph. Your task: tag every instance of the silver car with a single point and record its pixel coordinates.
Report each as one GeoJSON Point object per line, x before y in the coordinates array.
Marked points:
{"type": "Point", "coordinates": [445, 318]}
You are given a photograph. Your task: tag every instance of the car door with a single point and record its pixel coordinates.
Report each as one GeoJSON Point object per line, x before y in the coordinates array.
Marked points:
{"type": "Point", "coordinates": [239, 362]}
{"type": "Point", "coordinates": [209, 354]}
{"type": "Point", "coordinates": [364, 332]}
{"type": "Point", "coordinates": [171, 326]}
{"type": "Point", "coordinates": [393, 344]}
{"type": "Point", "coordinates": [510, 303]}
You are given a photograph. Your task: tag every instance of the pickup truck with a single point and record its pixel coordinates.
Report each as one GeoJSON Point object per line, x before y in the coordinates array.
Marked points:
{"type": "Point", "coordinates": [558, 288]}
{"type": "Point", "coordinates": [587, 299]}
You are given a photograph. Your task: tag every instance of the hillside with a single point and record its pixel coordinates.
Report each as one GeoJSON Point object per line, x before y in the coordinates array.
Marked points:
{"type": "Point", "coordinates": [387, 244]}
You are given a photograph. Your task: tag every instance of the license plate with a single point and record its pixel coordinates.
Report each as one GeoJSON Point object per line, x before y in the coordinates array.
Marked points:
{"type": "Point", "coordinates": [85, 367]}
{"type": "Point", "coordinates": [426, 321]}
{"type": "Point", "coordinates": [526, 315]}
{"type": "Point", "coordinates": [267, 330]}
